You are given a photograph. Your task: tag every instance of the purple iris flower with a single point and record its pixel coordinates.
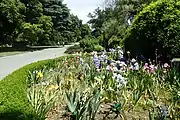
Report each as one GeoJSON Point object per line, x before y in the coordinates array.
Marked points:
{"type": "Point", "coordinates": [109, 62]}
{"type": "Point", "coordinates": [96, 61]}
{"type": "Point", "coordinates": [119, 67]}
{"type": "Point", "coordinates": [103, 57]}
{"type": "Point", "coordinates": [164, 111]}
{"type": "Point", "coordinates": [123, 59]}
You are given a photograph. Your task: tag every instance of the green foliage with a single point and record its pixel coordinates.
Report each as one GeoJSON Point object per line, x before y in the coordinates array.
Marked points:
{"type": "Point", "coordinates": [58, 12]}
{"type": "Point", "coordinates": [31, 33]}
{"type": "Point", "coordinates": [37, 34]}
{"type": "Point", "coordinates": [85, 31]}
{"type": "Point", "coordinates": [156, 27]}
{"type": "Point", "coordinates": [41, 100]}
{"type": "Point", "coordinates": [33, 11]}
{"type": "Point", "coordinates": [112, 21]}
{"type": "Point", "coordinates": [89, 43]}
{"type": "Point", "coordinates": [14, 102]}
{"type": "Point", "coordinates": [45, 35]}
{"type": "Point", "coordinates": [11, 18]}
{"type": "Point", "coordinates": [82, 106]}
{"type": "Point", "coordinates": [74, 49]}
{"type": "Point", "coordinates": [98, 48]}
{"type": "Point", "coordinates": [39, 22]}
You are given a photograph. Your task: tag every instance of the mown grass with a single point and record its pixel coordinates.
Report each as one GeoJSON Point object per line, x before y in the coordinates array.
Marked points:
{"type": "Point", "coordinates": [3, 54]}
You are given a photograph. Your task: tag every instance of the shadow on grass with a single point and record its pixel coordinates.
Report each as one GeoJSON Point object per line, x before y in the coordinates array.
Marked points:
{"type": "Point", "coordinates": [17, 116]}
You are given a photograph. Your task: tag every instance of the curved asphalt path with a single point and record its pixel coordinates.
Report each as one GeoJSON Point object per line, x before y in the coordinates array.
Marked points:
{"type": "Point", "coordinates": [10, 63]}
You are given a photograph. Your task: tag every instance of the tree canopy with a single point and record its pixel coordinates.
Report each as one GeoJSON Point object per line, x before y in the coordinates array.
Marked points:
{"type": "Point", "coordinates": [39, 22]}
{"type": "Point", "coordinates": [156, 29]}
{"type": "Point", "coordinates": [110, 23]}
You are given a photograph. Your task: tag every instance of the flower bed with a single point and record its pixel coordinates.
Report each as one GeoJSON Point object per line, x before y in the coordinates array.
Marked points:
{"type": "Point", "coordinates": [105, 86]}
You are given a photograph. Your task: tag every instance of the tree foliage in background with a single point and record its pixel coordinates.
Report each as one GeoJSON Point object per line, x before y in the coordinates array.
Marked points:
{"type": "Point", "coordinates": [111, 22]}
{"type": "Point", "coordinates": [39, 22]}
{"type": "Point", "coordinates": [11, 18]}
{"type": "Point", "coordinates": [156, 28]}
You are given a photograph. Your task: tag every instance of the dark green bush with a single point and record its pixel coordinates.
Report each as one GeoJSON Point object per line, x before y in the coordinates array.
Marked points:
{"type": "Point", "coordinates": [14, 103]}
{"type": "Point", "coordinates": [89, 43]}
{"type": "Point", "coordinates": [74, 49]}
{"type": "Point", "coordinates": [157, 26]}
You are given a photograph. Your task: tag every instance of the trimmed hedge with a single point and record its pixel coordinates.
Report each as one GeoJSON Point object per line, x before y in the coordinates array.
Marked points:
{"type": "Point", "coordinates": [14, 103]}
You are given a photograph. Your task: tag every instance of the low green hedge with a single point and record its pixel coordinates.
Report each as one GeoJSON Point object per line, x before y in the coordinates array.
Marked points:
{"type": "Point", "coordinates": [14, 103]}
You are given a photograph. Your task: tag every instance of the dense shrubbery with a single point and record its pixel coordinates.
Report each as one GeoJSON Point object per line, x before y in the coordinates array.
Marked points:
{"type": "Point", "coordinates": [156, 27]}
{"type": "Point", "coordinates": [74, 49]}
{"type": "Point", "coordinates": [90, 44]}
{"type": "Point", "coordinates": [13, 97]}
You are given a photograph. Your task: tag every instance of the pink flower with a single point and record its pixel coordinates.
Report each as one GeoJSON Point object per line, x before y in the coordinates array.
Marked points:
{"type": "Point", "coordinates": [152, 69]}
{"type": "Point", "coordinates": [146, 67]}
{"type": "Point", "coordinates": [166, 65]}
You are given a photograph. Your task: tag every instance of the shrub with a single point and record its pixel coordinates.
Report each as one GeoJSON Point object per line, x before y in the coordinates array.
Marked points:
{"type": "Point", "coordinates": [98, 48]}
{"type": "Point", "coordinates": [88, 44]}
{"type": "Point", "coordinates": [13, 96]}
{"type": "Point", "coordinates": [157, 26]}
{"type": "Point", "coordinates": [73, 49]}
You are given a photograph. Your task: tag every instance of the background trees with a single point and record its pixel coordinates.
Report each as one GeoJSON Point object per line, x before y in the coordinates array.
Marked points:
{"type": "Point", "coordinates": [39, 22]}
{"type": "Point", "coordinates": [156, 29]}
{"type": "Point", "coordinates": [140, 27]}
{"type": "Point", "coordinates": [11, 18]}
{"type": "Point", "coordinates": [111, 22]}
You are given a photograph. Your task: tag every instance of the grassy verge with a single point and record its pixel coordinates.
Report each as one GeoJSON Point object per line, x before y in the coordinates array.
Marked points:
{"type": "Point", "coordinates": [14, 103]}
{"type": "Point", "coordinates": [3, 54]}
{"type": "Point", "coordinates": [8, 51]}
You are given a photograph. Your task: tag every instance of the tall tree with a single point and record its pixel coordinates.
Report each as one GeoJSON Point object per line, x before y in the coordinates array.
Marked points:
{"type": "Point", "coordinates": [111, 22]}
{"type": "Point", "coordinates": [34, 10]}
{"type": "Point", "coordinates": [96, 21]}
{"type": "Point", "coordinates": [38, 22]}
{"type": "Point", "coordinates": [10, 20]}
{"type": "Point", "coordinates": [60, 15]}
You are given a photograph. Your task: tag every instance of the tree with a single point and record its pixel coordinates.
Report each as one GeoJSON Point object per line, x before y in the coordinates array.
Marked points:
{"type": "Point", "coordinates": [75, 27]}
{"type": "Point", "coordinates": [45, 21]}
{"type": "Point", "coordinates": [85, 31]}
{"type": "Point", "coordinates": [155, 28]}
{"type": "Point", "coordinates": [34, 10]}
{"type": "Point", "coordinates": [111, 22]}
{"type": "Point", "coordinates": [58, 11]}
{"type": "Point", "coordinates": [96, 21]}
{"type": "Point", "coordinates": [30, 33]}
{"type": "Point", "coordinates": [37, 34]}
{"type": "Point", "coordinates": [10, 20]}
{"type": "Point", "coordinates": [47, 26]}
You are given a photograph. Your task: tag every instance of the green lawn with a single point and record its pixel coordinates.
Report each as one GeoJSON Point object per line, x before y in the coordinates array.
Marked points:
{"type": "Point", "coordinates": [3, 54]}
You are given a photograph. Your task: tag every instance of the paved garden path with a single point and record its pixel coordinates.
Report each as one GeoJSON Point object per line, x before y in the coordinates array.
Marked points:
{"type": "Point", "coordinates": [10, 63]}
